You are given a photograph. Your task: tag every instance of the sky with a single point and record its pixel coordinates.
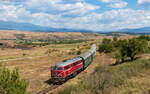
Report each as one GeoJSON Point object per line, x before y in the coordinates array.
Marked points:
{"type": "Point", "coordinates": [96, 15]}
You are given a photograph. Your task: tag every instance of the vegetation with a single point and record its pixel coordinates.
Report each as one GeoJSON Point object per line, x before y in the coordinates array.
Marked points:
{"type": "Point", "coordinates": [106, 46]}
{"type": "Point", "coordinates": [124, 48]}
{"type": "Point", "coordinates": [144, 37]}
{"type": "Point", "coordinates": [46, 42]}
{"type": "Point", "coordinates": [19, 36]}
{"type": "Point", "coordinates": [11, 83]}
{"type": "Point", "coordinates": [104, 80]}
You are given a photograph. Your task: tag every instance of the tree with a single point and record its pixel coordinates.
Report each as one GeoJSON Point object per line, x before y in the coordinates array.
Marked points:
{"type": "Point", "coordinates": [10, 82]}
{"type": "Point", "coordinates": [106, 46]}
{"type": "Point", "coordinates": [118, 57]}
{"type": "Point", "coordinates": [123, 46]}
{"type": "Point", "coordinates": [132, 47]}
{"type": "Point", "coordinates": [135, 47]}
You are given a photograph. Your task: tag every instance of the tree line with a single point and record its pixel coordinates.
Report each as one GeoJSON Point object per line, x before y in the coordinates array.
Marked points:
{"type": "Point", "coordinates": [126, 48]}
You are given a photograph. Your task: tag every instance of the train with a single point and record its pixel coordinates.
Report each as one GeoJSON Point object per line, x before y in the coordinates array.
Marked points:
{"type": "Point", "coordinates": [62, 71]}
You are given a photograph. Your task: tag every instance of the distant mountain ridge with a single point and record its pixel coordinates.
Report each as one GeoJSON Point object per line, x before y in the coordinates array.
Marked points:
{"type": "Point", "coordinates": [36, 28]}
{"type": "Point", "coordinates": [137, 30]}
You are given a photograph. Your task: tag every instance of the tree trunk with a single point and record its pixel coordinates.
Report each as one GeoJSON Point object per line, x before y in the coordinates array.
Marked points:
{"type": "Point", "coordinates": [132, 58]}
{"type": "Point", "coordinates": [122, 60]}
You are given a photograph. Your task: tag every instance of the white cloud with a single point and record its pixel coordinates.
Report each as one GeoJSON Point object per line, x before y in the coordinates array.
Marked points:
{"type": "Point", "coordinates": [143, 1]}
{"type": "Point", "coordinates": [108, 1]}
{"type": "Point", "coordinates": [116, 19]}
{"type": "Point", "coordinates": [115, 3]}
{"type": "Point", "coordinates": [60, 6]}
{"type": "Point", "coordinates": [118, 5]}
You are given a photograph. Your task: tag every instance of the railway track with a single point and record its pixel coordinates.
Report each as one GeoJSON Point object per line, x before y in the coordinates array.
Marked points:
{"type": "Point", "coordinates": [49, 89]}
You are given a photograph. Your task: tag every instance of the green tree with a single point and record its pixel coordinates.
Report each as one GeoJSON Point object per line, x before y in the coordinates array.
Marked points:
{"type": "Point", "coordinates": [106, 46]}
{"type": "Point", "coordinates": [117, 56]}
{"type": "Point", "coordinates": [10, 82]}
{"type": "Point", "coordinates": [123, 49]}
{"type": "Point", "coordinates": [136, 46]}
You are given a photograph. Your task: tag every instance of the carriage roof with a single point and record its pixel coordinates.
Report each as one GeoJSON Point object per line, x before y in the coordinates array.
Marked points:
{"type": "Point", "coordinates": [85, 55]}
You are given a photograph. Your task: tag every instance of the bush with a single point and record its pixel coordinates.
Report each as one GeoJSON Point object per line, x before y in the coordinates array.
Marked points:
{"type": "Point", "coordinates": [99, 81]}
{"type": "Point", "coordinates": [106, 46]}
{"type": "Point", "coordinates": [10, 82]}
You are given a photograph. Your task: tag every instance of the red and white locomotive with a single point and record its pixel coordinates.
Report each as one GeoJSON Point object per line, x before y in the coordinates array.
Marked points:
{"type": "Point", "coordinates": [60, 72]}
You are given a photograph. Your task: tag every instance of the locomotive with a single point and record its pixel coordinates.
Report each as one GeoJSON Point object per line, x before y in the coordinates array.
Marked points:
{"type": "Point", "coordinates": [62, 71]}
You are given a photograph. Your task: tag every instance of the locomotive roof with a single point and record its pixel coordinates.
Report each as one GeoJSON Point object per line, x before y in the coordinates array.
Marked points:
{"type": "Point", "coordinates": [68, 62]}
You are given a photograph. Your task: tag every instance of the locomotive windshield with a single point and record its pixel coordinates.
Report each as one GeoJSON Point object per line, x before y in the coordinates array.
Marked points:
{"type": "Point", "coordinates": [56, 68]}
{"type": "Point", "coordinates": [59, 68]}
{"type": "Point", "coordinates": [53, 68]}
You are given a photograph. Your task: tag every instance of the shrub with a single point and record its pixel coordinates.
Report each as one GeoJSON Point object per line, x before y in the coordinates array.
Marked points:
{"type": "Point", "coordinates": [106, 46]}
{"type": "Point", "coordinates": [99, 81]}
{"type": "Point", "coordinates": [10, 82]}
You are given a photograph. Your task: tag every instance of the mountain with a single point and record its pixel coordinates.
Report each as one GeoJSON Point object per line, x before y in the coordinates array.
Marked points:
{"type": "Point", "coordinates": [137, 30]}
{"type": "Point", "coordinates": [35, 28]}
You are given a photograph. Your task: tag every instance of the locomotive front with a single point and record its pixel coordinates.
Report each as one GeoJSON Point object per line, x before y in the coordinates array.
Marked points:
{"type": "Point", "coordinates": [57, 74]}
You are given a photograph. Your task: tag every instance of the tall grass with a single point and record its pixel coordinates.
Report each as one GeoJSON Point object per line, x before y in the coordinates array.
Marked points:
{"type": "Point", "coordinates": [104, 80]}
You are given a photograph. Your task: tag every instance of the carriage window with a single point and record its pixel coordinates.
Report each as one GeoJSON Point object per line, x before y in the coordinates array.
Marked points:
{"type": "Point", "coordinates": [59, 68]}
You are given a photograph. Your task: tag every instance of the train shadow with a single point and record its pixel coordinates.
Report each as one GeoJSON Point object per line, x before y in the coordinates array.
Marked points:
{"type": "Point", "coordinates": [49, 81]}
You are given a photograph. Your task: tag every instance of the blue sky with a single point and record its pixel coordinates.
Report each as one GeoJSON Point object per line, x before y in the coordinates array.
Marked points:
{"type": "Point", "coordinates": [96, 15]}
